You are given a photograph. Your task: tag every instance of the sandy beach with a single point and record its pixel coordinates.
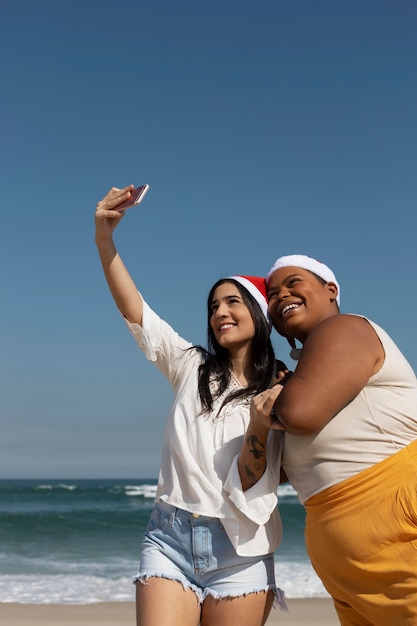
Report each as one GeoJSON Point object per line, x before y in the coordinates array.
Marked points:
{"type": "Point", "coordinates": [302, 612]}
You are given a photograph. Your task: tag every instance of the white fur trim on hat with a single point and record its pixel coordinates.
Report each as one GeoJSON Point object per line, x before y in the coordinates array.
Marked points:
{"type": "Point", "coordinates": [306, 263]}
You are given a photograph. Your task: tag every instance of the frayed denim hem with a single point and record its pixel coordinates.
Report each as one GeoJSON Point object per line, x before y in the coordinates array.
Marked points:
{"type": "Point", "coordinates": [185, 584]}
{"type": "Point", "coordinates": [279, 596]}
{"type": "Point", "coordinates": [279, 600]}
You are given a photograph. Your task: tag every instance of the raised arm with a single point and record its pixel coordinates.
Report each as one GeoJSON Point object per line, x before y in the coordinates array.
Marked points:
{"type": "Point", "coordinates": [123, 289]}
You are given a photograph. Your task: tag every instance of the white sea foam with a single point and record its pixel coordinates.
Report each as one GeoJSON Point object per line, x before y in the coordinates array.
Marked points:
{"type": "Point", "coordinates": [65, 589]}
{"type": "Point", "coordinates": [56, 486]}
{"type": "Point", "coordinates": [286, 490]}
{"type": "Point", "coordinates": [146, 491]}
{"type": "Point", "coordinates": [298, 580]}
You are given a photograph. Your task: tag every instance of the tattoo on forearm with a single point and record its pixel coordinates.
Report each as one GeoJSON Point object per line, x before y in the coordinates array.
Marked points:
{"type": "Point", "coordinates": [250, 474]}
{"type": "Point", "coordinates": [257, 448]}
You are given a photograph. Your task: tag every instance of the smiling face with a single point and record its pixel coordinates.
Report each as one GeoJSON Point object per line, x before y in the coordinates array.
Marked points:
{"type": "Point", "coordinates": [231, 321]}
{"type": "Point", "coordinates": [299, 300]}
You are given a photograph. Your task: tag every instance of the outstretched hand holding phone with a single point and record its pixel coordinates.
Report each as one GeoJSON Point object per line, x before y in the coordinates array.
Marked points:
{"type": "Point", "coordinates": [136, 196]}
{"type": "Point", "coordinates": [109, 211]}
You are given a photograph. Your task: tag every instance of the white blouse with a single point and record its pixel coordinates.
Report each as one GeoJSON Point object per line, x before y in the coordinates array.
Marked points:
{"type": "Point", "coordinates": [199, 471]}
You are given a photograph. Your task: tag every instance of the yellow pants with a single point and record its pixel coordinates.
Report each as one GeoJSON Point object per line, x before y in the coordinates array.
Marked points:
{"type": "Point", "coordinates": [361, 536]}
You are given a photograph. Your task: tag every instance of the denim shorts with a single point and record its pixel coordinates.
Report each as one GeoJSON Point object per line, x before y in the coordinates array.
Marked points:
{"type": "Point", "coordinates": [197, 552]}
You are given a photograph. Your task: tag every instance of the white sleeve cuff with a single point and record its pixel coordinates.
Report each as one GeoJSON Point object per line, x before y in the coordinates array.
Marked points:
{"type": "Point", "coordinates": [259, 501]}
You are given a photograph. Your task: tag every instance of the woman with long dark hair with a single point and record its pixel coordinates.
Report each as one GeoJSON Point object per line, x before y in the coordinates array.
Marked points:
{"type": "Point", "coordinates": [207, 554]}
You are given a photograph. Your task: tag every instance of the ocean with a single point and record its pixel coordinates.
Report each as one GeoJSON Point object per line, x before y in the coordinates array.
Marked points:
{"type": "Point", "coordinates": [78, 541]}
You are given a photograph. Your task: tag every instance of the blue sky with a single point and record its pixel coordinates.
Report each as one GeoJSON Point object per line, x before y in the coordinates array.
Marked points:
{"type": "Point", "coordinates": [263, 128]}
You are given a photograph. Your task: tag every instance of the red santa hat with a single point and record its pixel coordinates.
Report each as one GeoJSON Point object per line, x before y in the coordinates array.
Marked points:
{"type": "Point", "coordinates": [257, 288]}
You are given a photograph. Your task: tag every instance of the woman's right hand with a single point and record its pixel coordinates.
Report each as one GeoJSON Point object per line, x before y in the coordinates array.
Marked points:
{"type": "Point", "coordinates": [124, 291]}
{"type": "Point", "coordinates": [106, 216]}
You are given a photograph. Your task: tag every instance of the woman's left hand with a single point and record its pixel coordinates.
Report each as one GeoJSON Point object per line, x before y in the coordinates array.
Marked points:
{"type": "Point", "coordinates": [262, 408]}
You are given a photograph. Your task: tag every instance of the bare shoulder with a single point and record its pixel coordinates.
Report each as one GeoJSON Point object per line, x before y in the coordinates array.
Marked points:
{"type": "Point", "coordinates": [352, 334]}
{"type": "Point", "coordinates": [347, 322]}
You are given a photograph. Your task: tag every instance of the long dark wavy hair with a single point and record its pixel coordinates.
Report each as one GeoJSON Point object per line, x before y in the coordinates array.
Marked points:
{"type": "Point", "coordinates": [216, 364]}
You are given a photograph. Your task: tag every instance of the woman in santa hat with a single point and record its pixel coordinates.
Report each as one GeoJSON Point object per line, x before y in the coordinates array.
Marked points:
{"type": "Point", "coordinates": [207, 554]}
{"type": "Point", "coordinates": [349, 412]}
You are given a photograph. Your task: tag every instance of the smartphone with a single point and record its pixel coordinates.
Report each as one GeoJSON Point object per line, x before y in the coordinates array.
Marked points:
{"type": "Point", "coordinates": [136, 196]}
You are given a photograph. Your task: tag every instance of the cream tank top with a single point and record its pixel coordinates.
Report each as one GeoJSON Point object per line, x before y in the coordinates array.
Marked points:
{"type": "Point", "coordinates": [379, 422]}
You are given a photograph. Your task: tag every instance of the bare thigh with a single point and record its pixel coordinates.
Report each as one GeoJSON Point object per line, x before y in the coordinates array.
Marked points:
{"type": "Point", "coordinates": [250, 610]}
{"type": "Point", "coordinates": [162, 602]}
